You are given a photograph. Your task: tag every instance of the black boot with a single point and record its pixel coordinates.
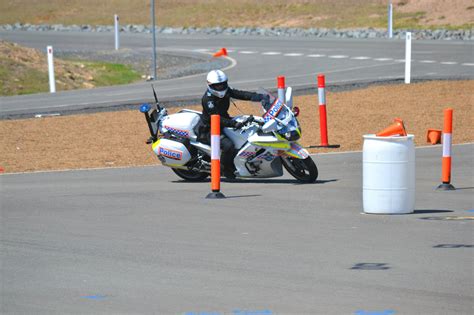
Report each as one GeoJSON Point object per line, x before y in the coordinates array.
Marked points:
{"type": "Point", "coordinates": [229, 174]}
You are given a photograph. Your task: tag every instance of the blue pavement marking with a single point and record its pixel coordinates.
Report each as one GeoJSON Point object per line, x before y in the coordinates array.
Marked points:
{"type": "Point", "coordinates": [470, 210]}
{"type": "Point", "coordinates": [385, 312]}
{"type": "Point", "coordinates": [95, 297]}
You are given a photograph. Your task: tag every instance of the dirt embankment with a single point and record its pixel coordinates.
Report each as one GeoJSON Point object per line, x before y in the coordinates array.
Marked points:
{"type": "Point", "coordinates": [118, 138]}
{"type": "Point", "coordinates": [29, 69]}
{"type": "Point", "coordinates": [440, 12]}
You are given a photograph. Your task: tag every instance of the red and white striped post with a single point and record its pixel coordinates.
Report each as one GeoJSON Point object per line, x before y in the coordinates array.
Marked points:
{"type": "Point", "coordinates": [447, 144]}
{"type": "Point", "coordinates": [323, 124]}
{"type": "Point", "coordinates": [215, 158]}
{"type": "Point", "coordinates": [281, 88]}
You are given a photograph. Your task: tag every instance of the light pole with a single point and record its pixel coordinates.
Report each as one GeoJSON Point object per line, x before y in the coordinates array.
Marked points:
{"type": "Point", "coordinates": [154, 37]}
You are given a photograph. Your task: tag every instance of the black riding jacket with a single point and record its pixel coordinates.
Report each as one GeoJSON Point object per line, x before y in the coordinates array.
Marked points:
{"type": "Point", "coordinates": [212, 105]}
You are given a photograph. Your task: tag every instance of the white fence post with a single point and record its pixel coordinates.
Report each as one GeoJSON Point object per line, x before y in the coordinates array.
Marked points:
{"type": "Point", "coordinates": [390, 20]}
{"type": "Point", "coordinates": [52, 82]}
{"type": "Point", "coordinates": [117, 31]}
{"type": "Point", "coordinates": [408, 57]}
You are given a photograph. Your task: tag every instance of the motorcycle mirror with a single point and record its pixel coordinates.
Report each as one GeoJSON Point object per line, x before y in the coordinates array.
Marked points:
{"type": "Point", "coordinates": [270, 126]}
{"type": "Point", "coordinates": [296, 111]}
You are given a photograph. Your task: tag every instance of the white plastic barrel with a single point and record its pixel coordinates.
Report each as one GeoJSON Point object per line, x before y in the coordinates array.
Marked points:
{"type": "Point", "coordinates": [389, 174]}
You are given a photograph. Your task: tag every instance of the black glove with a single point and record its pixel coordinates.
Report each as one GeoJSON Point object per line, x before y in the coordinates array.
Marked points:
{"type": "Point", "coordinates": [238, 125]}
{"type": "Point", "coordinates": [265, 101]}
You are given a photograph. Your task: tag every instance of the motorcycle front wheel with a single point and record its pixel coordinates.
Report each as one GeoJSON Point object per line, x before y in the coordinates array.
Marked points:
{"type": "Point", "coordinates": [190, 176]}
{"type": "Point", "coordinates": [304, 171]}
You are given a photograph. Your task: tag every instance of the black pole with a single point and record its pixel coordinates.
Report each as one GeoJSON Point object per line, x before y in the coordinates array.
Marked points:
{"type": "Point", "coordinates": [154, 37]}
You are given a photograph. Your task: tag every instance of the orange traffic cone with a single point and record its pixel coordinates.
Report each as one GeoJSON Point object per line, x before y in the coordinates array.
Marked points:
{"type": "Point", "coordinates": [221, 52]}
{"type": "Point", "coordinates": [396, 129]}
{"type": "Point", "coordinates": [433, 136]}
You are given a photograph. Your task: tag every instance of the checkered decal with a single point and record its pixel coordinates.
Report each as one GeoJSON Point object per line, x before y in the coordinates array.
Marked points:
{"type": "Point", "coordinates": [246, 154]}
{"type": "Point", "coordinates": [178, 132]}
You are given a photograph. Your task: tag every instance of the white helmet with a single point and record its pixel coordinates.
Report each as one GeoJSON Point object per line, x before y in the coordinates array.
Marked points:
{"type": "Point", "coordinates": [217, 83]}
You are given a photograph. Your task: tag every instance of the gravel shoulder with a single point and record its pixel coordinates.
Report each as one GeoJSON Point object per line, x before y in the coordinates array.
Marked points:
{"type": "Point", "coordinates": [168, 65]}
{"type": "Point", "coordinates": [115, 139]}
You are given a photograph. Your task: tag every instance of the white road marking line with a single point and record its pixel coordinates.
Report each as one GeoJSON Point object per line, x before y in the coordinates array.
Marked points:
{"type": "Point", "coordinates": [230, 50]}
{"type": "Point", "coordinates": [361, 58]}
{"type": "Point", "coordinates": [201, 50]}
{"type": "Point", "coordinates": [293, 54]}
{"type": "Point", "coordinates": [316, 56]}
{"type": "Point", "coordinates": [400, 60]}
{"type": "Point", "coordinates": [271, 53]}
{"type": "Point", "coordinates": [427, 61]}
{"type": "Point", "coordinates": [448, 63]}
{"type": "Point", "coordinates": [338, 56]}
{"type": "Point", "coordinates": [247, 52]}
{"type": "Point", "coordinates": [383, 59]}
{"type": "Point", "coordinates": [468, 64]}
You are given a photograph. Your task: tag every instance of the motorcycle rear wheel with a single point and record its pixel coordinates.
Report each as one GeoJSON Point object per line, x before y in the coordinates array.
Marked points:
{"type": "Point", "coordinates": [190, 176]}
{"type": "Point", "coordinates": [304, 171]}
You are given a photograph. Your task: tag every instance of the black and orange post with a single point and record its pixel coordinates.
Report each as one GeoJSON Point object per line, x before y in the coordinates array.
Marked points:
{"type": "Point", "coordinates": [215, 158]}
{"type": "Point", "coordinates": [447, 144]}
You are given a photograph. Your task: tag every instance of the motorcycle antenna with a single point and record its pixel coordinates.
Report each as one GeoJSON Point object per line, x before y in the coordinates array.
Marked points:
{"type": "Point", "coordinates": [156, 98]}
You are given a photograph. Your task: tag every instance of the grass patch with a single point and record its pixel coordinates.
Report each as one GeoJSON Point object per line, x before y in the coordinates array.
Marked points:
{"type": "Point", "coordinates": [18, 79]}
{"type": "Point", "coordinates": [106, 74]}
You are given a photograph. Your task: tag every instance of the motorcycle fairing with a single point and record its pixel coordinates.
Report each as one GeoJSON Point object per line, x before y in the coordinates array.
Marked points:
{"type": "Point", "coordinates": [269, 142]}
{"type": "Point", "coordinates": [297, 151]}
{"type": "Point", "coordinates": [250, 162]}
{"type": "Point", "coordinates": [171, 153]}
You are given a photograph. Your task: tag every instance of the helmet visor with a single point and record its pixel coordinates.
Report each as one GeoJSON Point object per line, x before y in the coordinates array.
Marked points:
{"type": "Point", "coordinates": [222, 86]}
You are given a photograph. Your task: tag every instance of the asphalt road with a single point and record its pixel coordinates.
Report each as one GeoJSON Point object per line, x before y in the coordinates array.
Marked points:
{"type": "Point", "coordinates": [256, 62]}
{"type": "Point", "coordinates": [139, 240]}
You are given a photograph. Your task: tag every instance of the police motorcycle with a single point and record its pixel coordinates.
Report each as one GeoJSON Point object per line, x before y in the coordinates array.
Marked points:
{"type": "Point", "coordinates": [265, 144]}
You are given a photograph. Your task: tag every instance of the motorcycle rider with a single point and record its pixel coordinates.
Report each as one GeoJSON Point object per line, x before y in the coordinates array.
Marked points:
{"type": "Point", "coordinates": [216, 100]}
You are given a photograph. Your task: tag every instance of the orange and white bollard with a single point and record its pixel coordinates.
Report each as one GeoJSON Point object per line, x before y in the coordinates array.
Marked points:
{"type": "Point", "coordinates": [447, 144]}
{"type": "Point", "coordinates": [323, 124]}
{"type": "Point", "coordinates": [215, 158]}
{"type": "Point", "coordinates": [323, 121]}
{"type": "Point", "coordinates": [281, 88]}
